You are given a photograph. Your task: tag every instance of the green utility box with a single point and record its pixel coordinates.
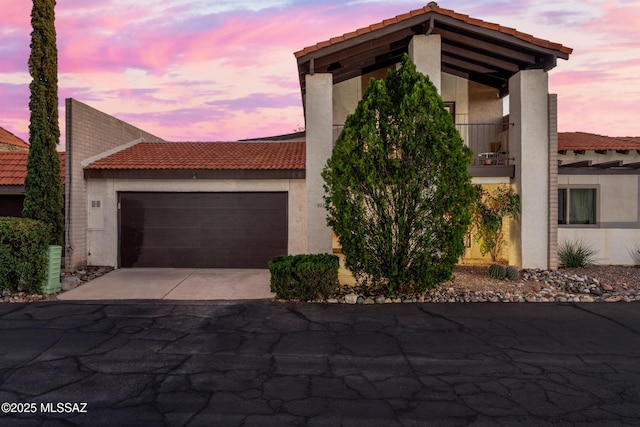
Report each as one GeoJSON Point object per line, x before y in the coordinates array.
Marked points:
{"type": "Point", "coordinates": [51, 283]}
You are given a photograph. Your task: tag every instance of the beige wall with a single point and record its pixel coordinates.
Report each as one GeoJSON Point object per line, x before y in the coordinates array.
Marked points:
{"type": "Point", "coordinates": [612, 245]}
{"type": "Point", "coordinates": [485, 104]}
{"type": "Point", "coordinates": [319, 123]}
{"type": "Point", "coordinates": [529, 146]}
{"type": "Point", "coordinates": [102, 230]}
{"type": "Point", "coordinates": [346, 96]}
{"type": "Point", "coordinates": [88, 133]}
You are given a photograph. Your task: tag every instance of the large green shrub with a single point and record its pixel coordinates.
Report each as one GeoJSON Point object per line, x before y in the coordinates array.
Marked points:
{"type": "Point", "coordinates": [304, 277]}
{"type": "Point", "coordinates": [24, 245]}
{"type": "Point", "coordinates": [397, 190]}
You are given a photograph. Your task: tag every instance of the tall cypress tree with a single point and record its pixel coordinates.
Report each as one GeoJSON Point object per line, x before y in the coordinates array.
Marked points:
{"type": "Point", "coordinates": [43, 187]}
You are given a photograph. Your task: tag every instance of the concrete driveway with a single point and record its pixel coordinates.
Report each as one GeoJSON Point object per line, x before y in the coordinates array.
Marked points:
{"type": "Point", "coordinates": [175, 284]}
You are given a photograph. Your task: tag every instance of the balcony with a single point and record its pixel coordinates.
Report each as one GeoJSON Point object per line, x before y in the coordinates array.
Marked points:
{"type": "Point", "coordinates": [489, 143]}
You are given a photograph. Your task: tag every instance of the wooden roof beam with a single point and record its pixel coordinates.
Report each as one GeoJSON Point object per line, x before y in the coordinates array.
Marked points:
{"type": "Point", "coordinates": [582, 164]}
{"type": "Point", "coordinates": [486, 47]}
{"type": "Point", "coordinates": [479, 58]}
{"type": "Point", "coordinates": [606, 165]}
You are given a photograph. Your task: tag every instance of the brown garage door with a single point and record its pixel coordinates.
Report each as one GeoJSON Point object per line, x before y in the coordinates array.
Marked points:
{"type": "Point", "coordinates": [202, 230]}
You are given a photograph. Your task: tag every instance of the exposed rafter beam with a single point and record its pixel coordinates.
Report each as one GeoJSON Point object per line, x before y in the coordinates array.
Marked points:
{"type": "Point", "coordinates": [582, 164]}
{"type": "Point", "coordinates": [486, 47]}
{"type": "Point", "coordinates": [477, 57]}
{"type": "Point", "coordinates": [606, 165]}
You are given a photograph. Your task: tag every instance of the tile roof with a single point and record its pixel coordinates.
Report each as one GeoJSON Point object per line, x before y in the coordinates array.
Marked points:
{"type": "Point", "coordinates": [207, 155]}
{"type": "Point", "coordinates": [13, 167]}
{"type": "Point", "coordinates": [589, 141]}
{"type": "Point", "coordinates": [433, 7]}
{"type": "Point", "coordinates": [11, 140]}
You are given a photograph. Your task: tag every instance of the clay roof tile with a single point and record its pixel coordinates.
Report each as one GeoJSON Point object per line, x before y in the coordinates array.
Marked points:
{"type": "Point", "coordinates": [433, 7]}
{"type": "Point", "coordinates": [13, 167]}
{"type": "Point", "coordinates": [207, 155]}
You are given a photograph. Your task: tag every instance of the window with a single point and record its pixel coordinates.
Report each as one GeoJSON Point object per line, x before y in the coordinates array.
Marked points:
{"type": "Point", "coordinates": [577, 206]}
{"type": "Point", "coordinates": [451, 109]}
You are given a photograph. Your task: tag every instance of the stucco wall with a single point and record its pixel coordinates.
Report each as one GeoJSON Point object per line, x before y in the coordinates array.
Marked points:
{"type": "Point", "coordinates": [485, 104]}
{"type": "Point", "coordinates": [612, 245]}
{"type": "Point", "coordinates": [346, 96]}
{"type": "Point", "coordinates": [88, 133]}
{"type": "Point", "coordinates": [529, 146]}
{"type": "Point", "coordinates": [102, 231]}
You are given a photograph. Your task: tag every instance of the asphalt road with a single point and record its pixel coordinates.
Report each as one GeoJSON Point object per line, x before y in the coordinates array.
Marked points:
{"type": "Point", "coordinates": [265, 363]}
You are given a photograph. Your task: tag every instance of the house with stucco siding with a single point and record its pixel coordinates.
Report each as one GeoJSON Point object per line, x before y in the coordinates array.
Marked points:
{"type": "Point", "coordinates": [115, 180]}
{"type": "Point", "coordinates": [134, 200]}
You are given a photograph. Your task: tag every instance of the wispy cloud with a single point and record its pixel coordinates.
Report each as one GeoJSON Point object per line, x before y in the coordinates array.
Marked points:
{"type": "Point", "coordinates": [196, 70]}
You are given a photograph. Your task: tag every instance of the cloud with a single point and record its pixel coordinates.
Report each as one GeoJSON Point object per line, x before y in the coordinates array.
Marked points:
{"type": "Point", "coordinates": [569, 78]}
{"type": "Point", "coordinates": [256, 101]}
{"type": "Point", "coordinates": [225, 69]}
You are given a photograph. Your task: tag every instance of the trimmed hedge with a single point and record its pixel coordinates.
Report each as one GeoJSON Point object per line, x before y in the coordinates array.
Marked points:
{"type": "Point", "coordinates": [24, 245]}
{"type": "Point", "coordinates": [304, 277]}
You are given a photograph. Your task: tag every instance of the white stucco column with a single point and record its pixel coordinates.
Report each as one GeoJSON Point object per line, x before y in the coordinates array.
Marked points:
{"type": "Point", "coordinates": [529, 145]}
{"type": "Point", "coordinates": [319, 123]}
{"type": "Point", "coordinates": [426, 53]}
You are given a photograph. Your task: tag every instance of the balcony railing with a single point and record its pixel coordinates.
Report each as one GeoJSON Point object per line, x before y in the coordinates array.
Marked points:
{"type": "Point", "coordinates": [488, 141]}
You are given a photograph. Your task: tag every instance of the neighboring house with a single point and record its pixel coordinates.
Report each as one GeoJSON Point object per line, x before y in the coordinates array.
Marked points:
{"type": "Point", "coordinates": [599, 194]}
{"type": "Point", "coordinates": [10, 142]}
{"type": "Point", "coordinates": [13, 171]}
{"type": "Point", "coordinates": [134, 200]}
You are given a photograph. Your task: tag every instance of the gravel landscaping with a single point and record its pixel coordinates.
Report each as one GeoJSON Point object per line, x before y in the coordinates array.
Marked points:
{"type": "Point", "coordinates": [472, 283]}
{"type": "Point", "coordinates": [68, 281]}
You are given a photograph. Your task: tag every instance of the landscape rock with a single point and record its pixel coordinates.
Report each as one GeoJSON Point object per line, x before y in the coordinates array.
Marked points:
{"type": "Point", "coordinates": [351, 298]}
{"type": "Point", "coordinates": [70, 282]}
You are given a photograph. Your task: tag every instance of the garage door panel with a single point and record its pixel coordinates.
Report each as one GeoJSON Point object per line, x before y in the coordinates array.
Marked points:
{"type": "Point", "coordinates": [228, 230]}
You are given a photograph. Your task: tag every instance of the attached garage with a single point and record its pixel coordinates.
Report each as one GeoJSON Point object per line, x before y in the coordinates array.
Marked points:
{"type": "Point", "coordinates": [202, 230]}
{"type": "Point", "coordinates": [195, 205]}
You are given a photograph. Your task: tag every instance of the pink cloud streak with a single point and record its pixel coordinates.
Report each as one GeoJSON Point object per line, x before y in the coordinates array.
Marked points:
{"type": "Point", "coordinates": [203, 75]}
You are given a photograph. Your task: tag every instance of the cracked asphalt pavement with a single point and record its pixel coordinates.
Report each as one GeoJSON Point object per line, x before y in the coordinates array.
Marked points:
{"type": "Point", "coordinates": [267, 363]}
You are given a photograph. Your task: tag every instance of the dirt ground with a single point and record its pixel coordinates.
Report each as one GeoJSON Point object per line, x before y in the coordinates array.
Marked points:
{"type": "Point", "coordinates": [476, 278]}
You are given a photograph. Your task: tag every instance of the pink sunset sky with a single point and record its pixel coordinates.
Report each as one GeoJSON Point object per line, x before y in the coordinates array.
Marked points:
{"type": "Point", "coordinates": [225, 70]}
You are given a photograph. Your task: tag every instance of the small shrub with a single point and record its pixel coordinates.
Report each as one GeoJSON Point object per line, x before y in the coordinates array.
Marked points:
{"type": "Point", "coordinates": [304, 277]}
{"type": "Point", "coordinates": [576, 254]}
{"type": "Point", "coordinates": [24, 245]}
{"type": "Point", "coordinates": [512, 273]}
{"type": "Point", "coordinates": [635, 255]}
{"type": "Point", "coordinates": [497, 271]}
{"type": "Point", "coordinates": [489, 211]}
